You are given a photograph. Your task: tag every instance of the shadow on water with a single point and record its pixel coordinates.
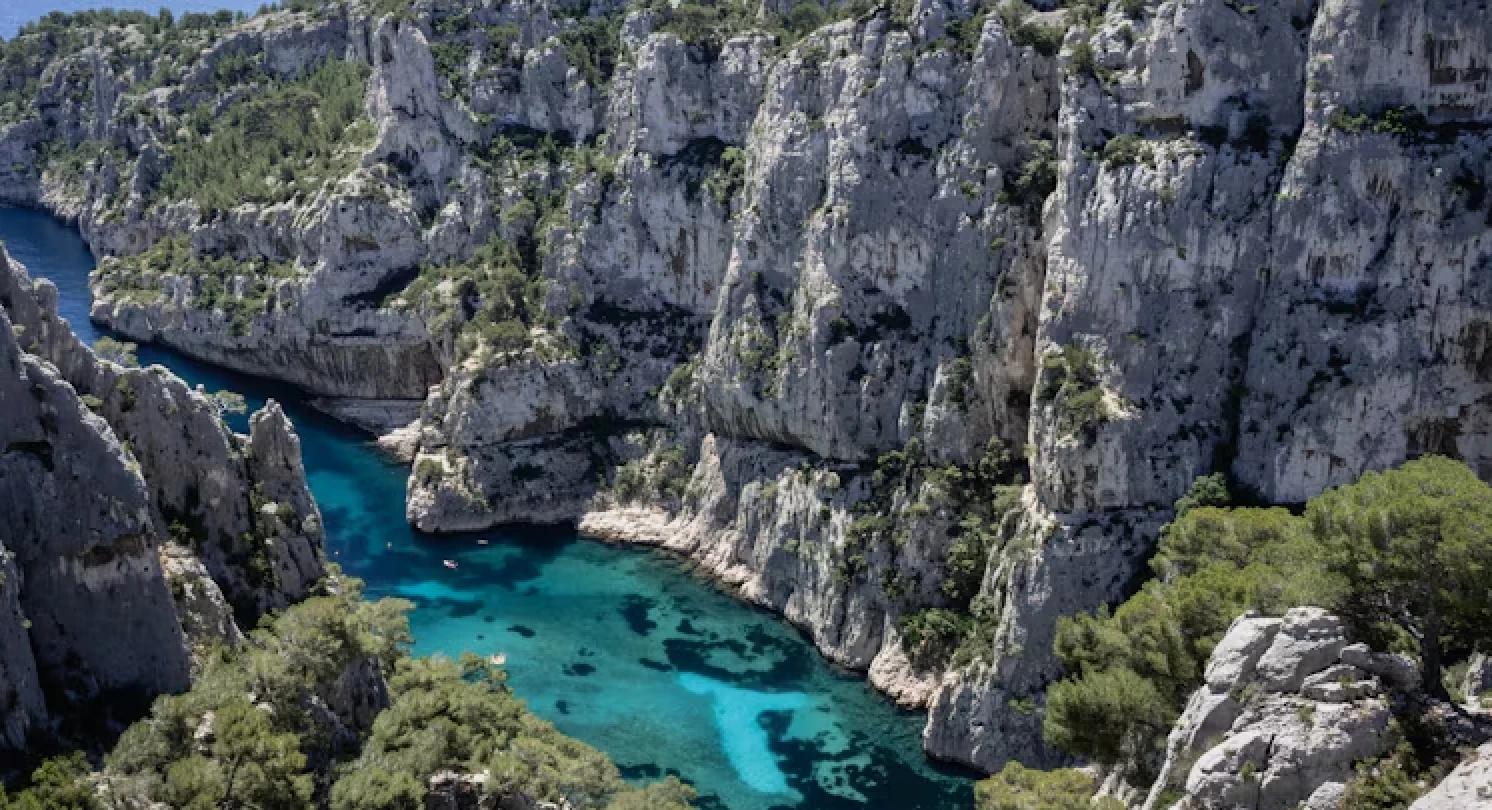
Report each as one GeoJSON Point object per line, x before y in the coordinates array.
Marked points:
{"type": "Point", "coordinates": [623, 648]}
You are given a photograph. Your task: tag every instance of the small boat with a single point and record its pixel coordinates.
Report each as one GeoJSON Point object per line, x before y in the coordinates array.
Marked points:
{"type": "Point", "coordinates": [449, 564]}
{"type": "Point", "coordinates": [482, 541]}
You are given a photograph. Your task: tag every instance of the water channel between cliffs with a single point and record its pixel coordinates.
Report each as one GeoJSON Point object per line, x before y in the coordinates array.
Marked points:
{"type": "Point", "coordinates": [619, 647]}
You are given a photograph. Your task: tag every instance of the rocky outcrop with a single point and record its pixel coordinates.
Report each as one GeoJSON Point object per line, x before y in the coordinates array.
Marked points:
{"type": "Point", "coordinates": [989, 713]}
{"type": "Point", "coordinates": [23, 707]}
{"type": "Point", "coordinates": [101, 465]}
{"type": "Point", "coordinates": [206, 617]}
{"type": "Point", "coordinates": [1478, 680]}
{"type": "Point", "coordinates": [1182, 298]}
{"type": "Point", "coordinates": [1288, 710]}
{"type": "Point", "coordinates": [240, 503]}
{"type": "Point", "coordinates": [776, 531]}
{"type": "Point", "coordinates": [1468, 787]}
{"type": "Point", "coordinates": [79, 545]}
{"type": "Point", "coordinates": [449, 790]}
{"type": "Point", "coordinates": [1200, 237]}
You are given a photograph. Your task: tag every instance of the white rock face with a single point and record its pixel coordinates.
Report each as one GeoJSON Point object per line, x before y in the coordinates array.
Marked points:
{"type": "Point", "coordinates": [79, 544]}
{"type": "Point", "coordinates": [243, 499]}
{"type": "Point", "coordinates": [100, 464]}
{"type": "Point", "coordinates": [774, 531]}
{"type": "Point", "coordinates": [1281, 722]}
{"type": "Point", "coordinates": [1468, 787]}
{"type": "Point", "coordinates": [983, 715]}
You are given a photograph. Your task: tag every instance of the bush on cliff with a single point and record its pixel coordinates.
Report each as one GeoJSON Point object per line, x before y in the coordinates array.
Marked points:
{"type": "Point", "coordinates": [254, 732]}
{"type": "Point", "coordinates": [244, 732]}
{"type": "Point", "coordinates": [1399, 554]}
{"type": "Point", "coordinates": [462, 717]}
{"type": "Point", "coordinates": [1019, 788]}
{"type": "Point", "coordinates": [280, 140]}
{"type": "Point", "coordinates": [60, 783]}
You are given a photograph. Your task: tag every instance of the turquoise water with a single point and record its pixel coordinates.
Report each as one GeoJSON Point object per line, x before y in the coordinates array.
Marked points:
{"type": "Point", "coordinates": [619, 647]}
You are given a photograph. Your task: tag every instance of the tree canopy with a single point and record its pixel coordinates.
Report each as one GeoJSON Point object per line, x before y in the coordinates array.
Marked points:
{"type": "Point", "coordinates": [1413, 547]}
{"type": "Point", "coordinates": [1404, 555]}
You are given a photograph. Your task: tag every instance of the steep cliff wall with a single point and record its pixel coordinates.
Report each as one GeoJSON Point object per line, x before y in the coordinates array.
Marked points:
{"type": "Point", "coordinates": [105, 593]}
{"type": "Point", "coordinates": [80, 544]}
{"type": "Point", "coordinates": [240, 503]}
{"type": "Point", "coordinates": [763, 291]}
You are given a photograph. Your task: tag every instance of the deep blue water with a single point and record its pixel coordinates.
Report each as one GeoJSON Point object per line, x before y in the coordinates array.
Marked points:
{"type": "Point", "coordinates": [619, 647]}
{"type": "Point", "coordinates": [15, 13]}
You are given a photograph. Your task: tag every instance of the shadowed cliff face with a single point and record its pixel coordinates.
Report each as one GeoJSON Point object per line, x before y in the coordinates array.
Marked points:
{"type": "Point", "coordinates": [104, 566]}
{"type": "Point", "coordinates": [738, 296]}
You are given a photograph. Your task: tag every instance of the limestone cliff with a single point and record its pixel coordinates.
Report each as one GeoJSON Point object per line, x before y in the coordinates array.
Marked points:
{"type": "Point", "coordinates": [764, 292]}
{"type": "Point", "coordinates": [1288, 711]}
{"type": "Point", "coordinates": [79, 545]}
{"type": "Point", "coordinates": [106, 588]}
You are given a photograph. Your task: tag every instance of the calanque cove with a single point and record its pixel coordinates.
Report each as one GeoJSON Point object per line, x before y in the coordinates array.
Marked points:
{"type": "Point", "coordinates": [569, 404]}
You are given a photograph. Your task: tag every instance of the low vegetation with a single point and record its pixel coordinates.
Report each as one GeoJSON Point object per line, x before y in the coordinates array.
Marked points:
{"type": "Point", "coordinates": [491, 302]}
{"type": "Point", "coordinates": [253, 732]}
{"type": "Point", "coordinates": [462, 716]}
{"type": "Point", "coordinates": [285, 139]}
{"type": "Point", "coordinates": [1398, 554]}
{"type": "Point", "coordinates": [1019, 788]}
{"type": "Point", "coordinates": [1070, 379]}
{"type": "Point", "coordinates": [239, 288]}
{"type": "Point", "coordinates": [661, 476]}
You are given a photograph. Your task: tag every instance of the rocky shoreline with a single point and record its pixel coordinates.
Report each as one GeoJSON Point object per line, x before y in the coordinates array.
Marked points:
{"type": "Point", "coordinates": [787, 289]}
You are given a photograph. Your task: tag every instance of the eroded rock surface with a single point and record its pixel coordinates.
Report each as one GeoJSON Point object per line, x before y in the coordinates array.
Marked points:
{"type": "Point", "coordinates": [1283, 719]}
{"type": "Point", "coordinates": [98, 606]}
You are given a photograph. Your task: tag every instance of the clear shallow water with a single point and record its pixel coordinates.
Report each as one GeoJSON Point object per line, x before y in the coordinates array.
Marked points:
{"type": "Point", "coordinates": [16, 13]}
{"type": "Point", "coordinates": [619, 647]}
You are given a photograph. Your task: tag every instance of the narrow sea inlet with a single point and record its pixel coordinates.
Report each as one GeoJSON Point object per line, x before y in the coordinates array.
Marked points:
{"type": "Point", "coordinates": [620, 647]}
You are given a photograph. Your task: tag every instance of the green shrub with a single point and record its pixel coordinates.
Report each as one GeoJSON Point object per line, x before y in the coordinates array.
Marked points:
{"type": "Point", "coordinates": [1045, 39]}
{"type": "Point", "coordinates": [663, 475]}
{"type": "Point", "coordinates": [1407, 124]}
{"type": "Point", "coordinates": [727, 179]}
{"type": "Point", "coordinates": [965, 34]}
{"type": "Point", "coordinates": [705, 27]}
{"type": "Point", "coordinates": [258, 754]}
{"type": "Point", "coordinates": [1109, 716]}
{"type": "Point", "coordinates": [1081, 60]}
{"type": "Point", "coordinates": [1125, 150]}
{"type": "Point", "coordinates": [594, 45]}
{"type": "Point", "coordinates": [1070, 379]}
{"type": "Point", "coordinates": [288, 138]}
{"type": "Point", "coordinates": [1017, 787]}
{"type": "Point", "coordinates": [932, 632]}
{"type": "Point", "coordinates": [116, 351]}
{"type": "Point", "coordinates": [1036, 179]}
{"type": "Point", "coordinates": [1207, 490]}
{"type": "Point", "coordinates": [1212, 564]}
{"type": "Point", "coordinates": [960, 377]}
{"type": "Point", "coordinates": [492, 299]}
{"type": "Point", "coordinates": [1391, 783]}
{"type": "Point", "coordinates": [60, 783]}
